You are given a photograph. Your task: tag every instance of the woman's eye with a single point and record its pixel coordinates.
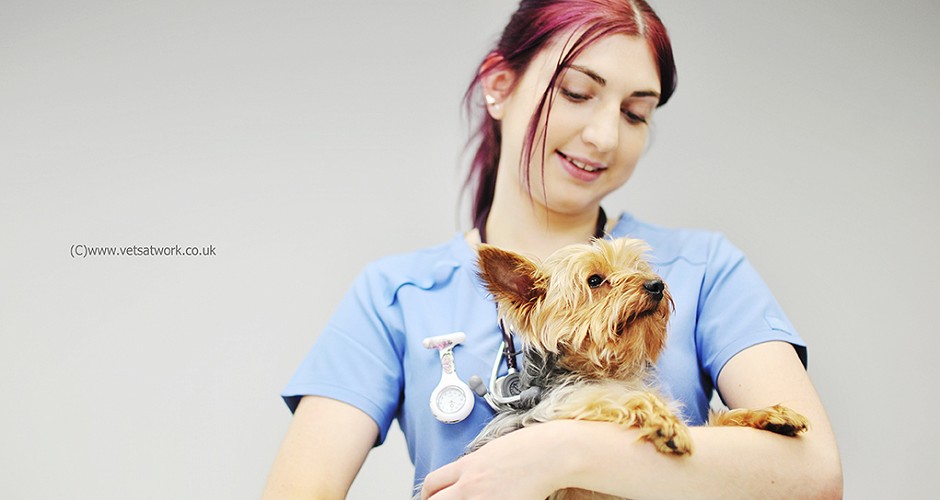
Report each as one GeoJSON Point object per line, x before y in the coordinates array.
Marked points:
{"type": "Point", "coordinates": [633, 117]}
{"type": "Point", "coordinates": [573, 96]}
{"type": "Point", "coordinates": [595, 280]}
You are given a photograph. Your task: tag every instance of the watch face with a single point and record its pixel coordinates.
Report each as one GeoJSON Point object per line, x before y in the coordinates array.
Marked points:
{"type": "Point", "coordinates": [451, 399]}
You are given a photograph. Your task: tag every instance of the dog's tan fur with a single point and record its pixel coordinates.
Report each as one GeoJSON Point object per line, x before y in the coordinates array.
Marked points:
{"type": "Point", "coordinates": [590, 351]}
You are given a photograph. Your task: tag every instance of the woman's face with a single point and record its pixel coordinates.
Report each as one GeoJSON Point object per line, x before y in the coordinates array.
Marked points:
{"type": "Point", "coordinates": [597, 128]}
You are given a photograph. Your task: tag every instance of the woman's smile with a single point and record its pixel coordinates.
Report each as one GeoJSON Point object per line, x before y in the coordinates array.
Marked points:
{"type": "Point", "coordinates": [581, 169]}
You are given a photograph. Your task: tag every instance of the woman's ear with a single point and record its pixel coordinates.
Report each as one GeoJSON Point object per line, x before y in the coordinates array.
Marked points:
{"type": "Point", "coordinates": [497, 81]}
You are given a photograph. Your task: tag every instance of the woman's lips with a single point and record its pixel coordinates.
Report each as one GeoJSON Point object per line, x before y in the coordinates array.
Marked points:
{"type": "Point", "coordinates": [578, 168]}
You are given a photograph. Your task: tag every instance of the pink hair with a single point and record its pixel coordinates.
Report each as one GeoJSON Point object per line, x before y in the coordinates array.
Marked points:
{"type": "Point", "coordinates": [532, 27]}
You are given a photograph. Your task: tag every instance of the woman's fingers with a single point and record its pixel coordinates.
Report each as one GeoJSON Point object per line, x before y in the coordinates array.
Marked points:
{"type": "Point", "coordinates": [439, 480]}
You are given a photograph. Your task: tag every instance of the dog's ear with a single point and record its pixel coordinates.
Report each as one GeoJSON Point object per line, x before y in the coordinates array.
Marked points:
{"type": "Point", "coordinates": [510, 277]}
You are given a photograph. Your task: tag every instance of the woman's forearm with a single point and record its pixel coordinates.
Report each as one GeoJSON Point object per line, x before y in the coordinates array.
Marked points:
{"type": "Point", "coordinates": [728, 462]}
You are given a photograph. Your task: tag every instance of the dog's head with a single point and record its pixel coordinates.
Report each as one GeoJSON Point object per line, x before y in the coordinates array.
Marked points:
{"type": "Point", "coordinates": [599, 307]}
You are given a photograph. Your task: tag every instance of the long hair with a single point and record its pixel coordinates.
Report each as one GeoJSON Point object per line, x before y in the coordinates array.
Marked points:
{"type": "Point", "coordinates": [534, 25]}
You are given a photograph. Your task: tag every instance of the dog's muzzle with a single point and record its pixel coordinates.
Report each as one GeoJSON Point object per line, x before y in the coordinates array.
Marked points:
{"type": "Point", "coordinates": [655, 288]}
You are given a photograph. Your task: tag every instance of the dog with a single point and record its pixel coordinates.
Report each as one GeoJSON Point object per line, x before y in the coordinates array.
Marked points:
{"type": "Point", "coordinates": [592, 320]}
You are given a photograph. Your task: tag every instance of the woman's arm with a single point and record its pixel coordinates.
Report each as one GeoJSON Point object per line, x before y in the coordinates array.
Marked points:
{"type": "Point", "coordinates": [325, 446]}
{"type": "Point", "coordinates": [727, 462]}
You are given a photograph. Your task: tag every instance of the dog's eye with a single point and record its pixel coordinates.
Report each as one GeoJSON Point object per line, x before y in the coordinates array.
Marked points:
{"type": "Point", "coordinates": [595, 280]}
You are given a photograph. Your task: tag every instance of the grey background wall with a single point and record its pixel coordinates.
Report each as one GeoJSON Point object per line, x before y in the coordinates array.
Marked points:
{"type": "Point", "coordinates": [304, 139]}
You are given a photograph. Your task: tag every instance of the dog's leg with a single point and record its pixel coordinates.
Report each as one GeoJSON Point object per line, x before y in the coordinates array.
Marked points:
{"type": "Point", "coordinates": [641, 409]}
{"type": "Point", "coordinates": [778, 419]}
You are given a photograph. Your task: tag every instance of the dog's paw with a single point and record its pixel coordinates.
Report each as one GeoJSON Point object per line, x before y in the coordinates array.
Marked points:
{"type": "Point", "coordinates": [778, 419]}
{"type": "Point", "coordinates": [671, 436]}
{"type": "Point", "coordinates": [781, 420]}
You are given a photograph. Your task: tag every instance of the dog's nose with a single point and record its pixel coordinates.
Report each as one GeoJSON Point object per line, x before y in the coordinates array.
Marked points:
{"type": "Point", "coordinates": [655, 288]}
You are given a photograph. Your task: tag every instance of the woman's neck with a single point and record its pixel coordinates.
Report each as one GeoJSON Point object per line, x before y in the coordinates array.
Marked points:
{"type": "Point", "coordinates": [525, 226]}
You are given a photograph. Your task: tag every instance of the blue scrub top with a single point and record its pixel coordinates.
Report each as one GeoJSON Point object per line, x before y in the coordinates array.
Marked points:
{"type": "Point", "coordinates": [370, 354]}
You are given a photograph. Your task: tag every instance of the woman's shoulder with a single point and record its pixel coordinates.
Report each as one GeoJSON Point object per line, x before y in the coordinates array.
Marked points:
{"type": "Point", "coordinates": [671, 243]}
{"type": "Point", "coordinates": [425, 267]}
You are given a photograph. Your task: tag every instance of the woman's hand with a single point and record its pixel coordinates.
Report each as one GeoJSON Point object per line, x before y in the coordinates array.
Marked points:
{"type": "Point", "coordinates": [528, 463]}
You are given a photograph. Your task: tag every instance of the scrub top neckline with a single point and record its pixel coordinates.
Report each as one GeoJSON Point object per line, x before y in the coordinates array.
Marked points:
{"type": "Point", "coordinates": [467, 256]}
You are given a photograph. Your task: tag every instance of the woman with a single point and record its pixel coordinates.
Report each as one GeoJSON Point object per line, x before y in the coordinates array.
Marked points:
{"type": "Point", "coordinates": [569, 93]}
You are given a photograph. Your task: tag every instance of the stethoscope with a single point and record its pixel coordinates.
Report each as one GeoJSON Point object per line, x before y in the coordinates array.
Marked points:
{"type": "Point", "coordinates": [452, 399]}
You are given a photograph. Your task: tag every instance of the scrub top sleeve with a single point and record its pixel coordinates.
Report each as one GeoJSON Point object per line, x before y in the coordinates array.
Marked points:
{"type": "Point", "coordinates": [357, 358]}
{"type": "Point", "coordinates": [736, 310]}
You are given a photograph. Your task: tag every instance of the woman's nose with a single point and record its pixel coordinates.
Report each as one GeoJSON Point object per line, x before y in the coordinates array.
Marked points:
{"type": "Point", "coordinates": [603, 130]}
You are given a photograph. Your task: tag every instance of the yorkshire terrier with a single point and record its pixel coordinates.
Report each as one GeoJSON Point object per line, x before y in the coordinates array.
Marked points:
{"type": "Point", "coordinates": [592, 319]}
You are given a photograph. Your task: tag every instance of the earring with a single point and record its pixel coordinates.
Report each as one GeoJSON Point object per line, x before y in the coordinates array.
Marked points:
{"type": "Point", "coordinates": [491, 102]}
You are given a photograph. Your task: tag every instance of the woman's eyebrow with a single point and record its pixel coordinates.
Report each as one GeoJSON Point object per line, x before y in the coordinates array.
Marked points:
{"type": "Point", "coordinates": [590, 73]}
{"type": "Point", "coordinates": [603, 82]}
